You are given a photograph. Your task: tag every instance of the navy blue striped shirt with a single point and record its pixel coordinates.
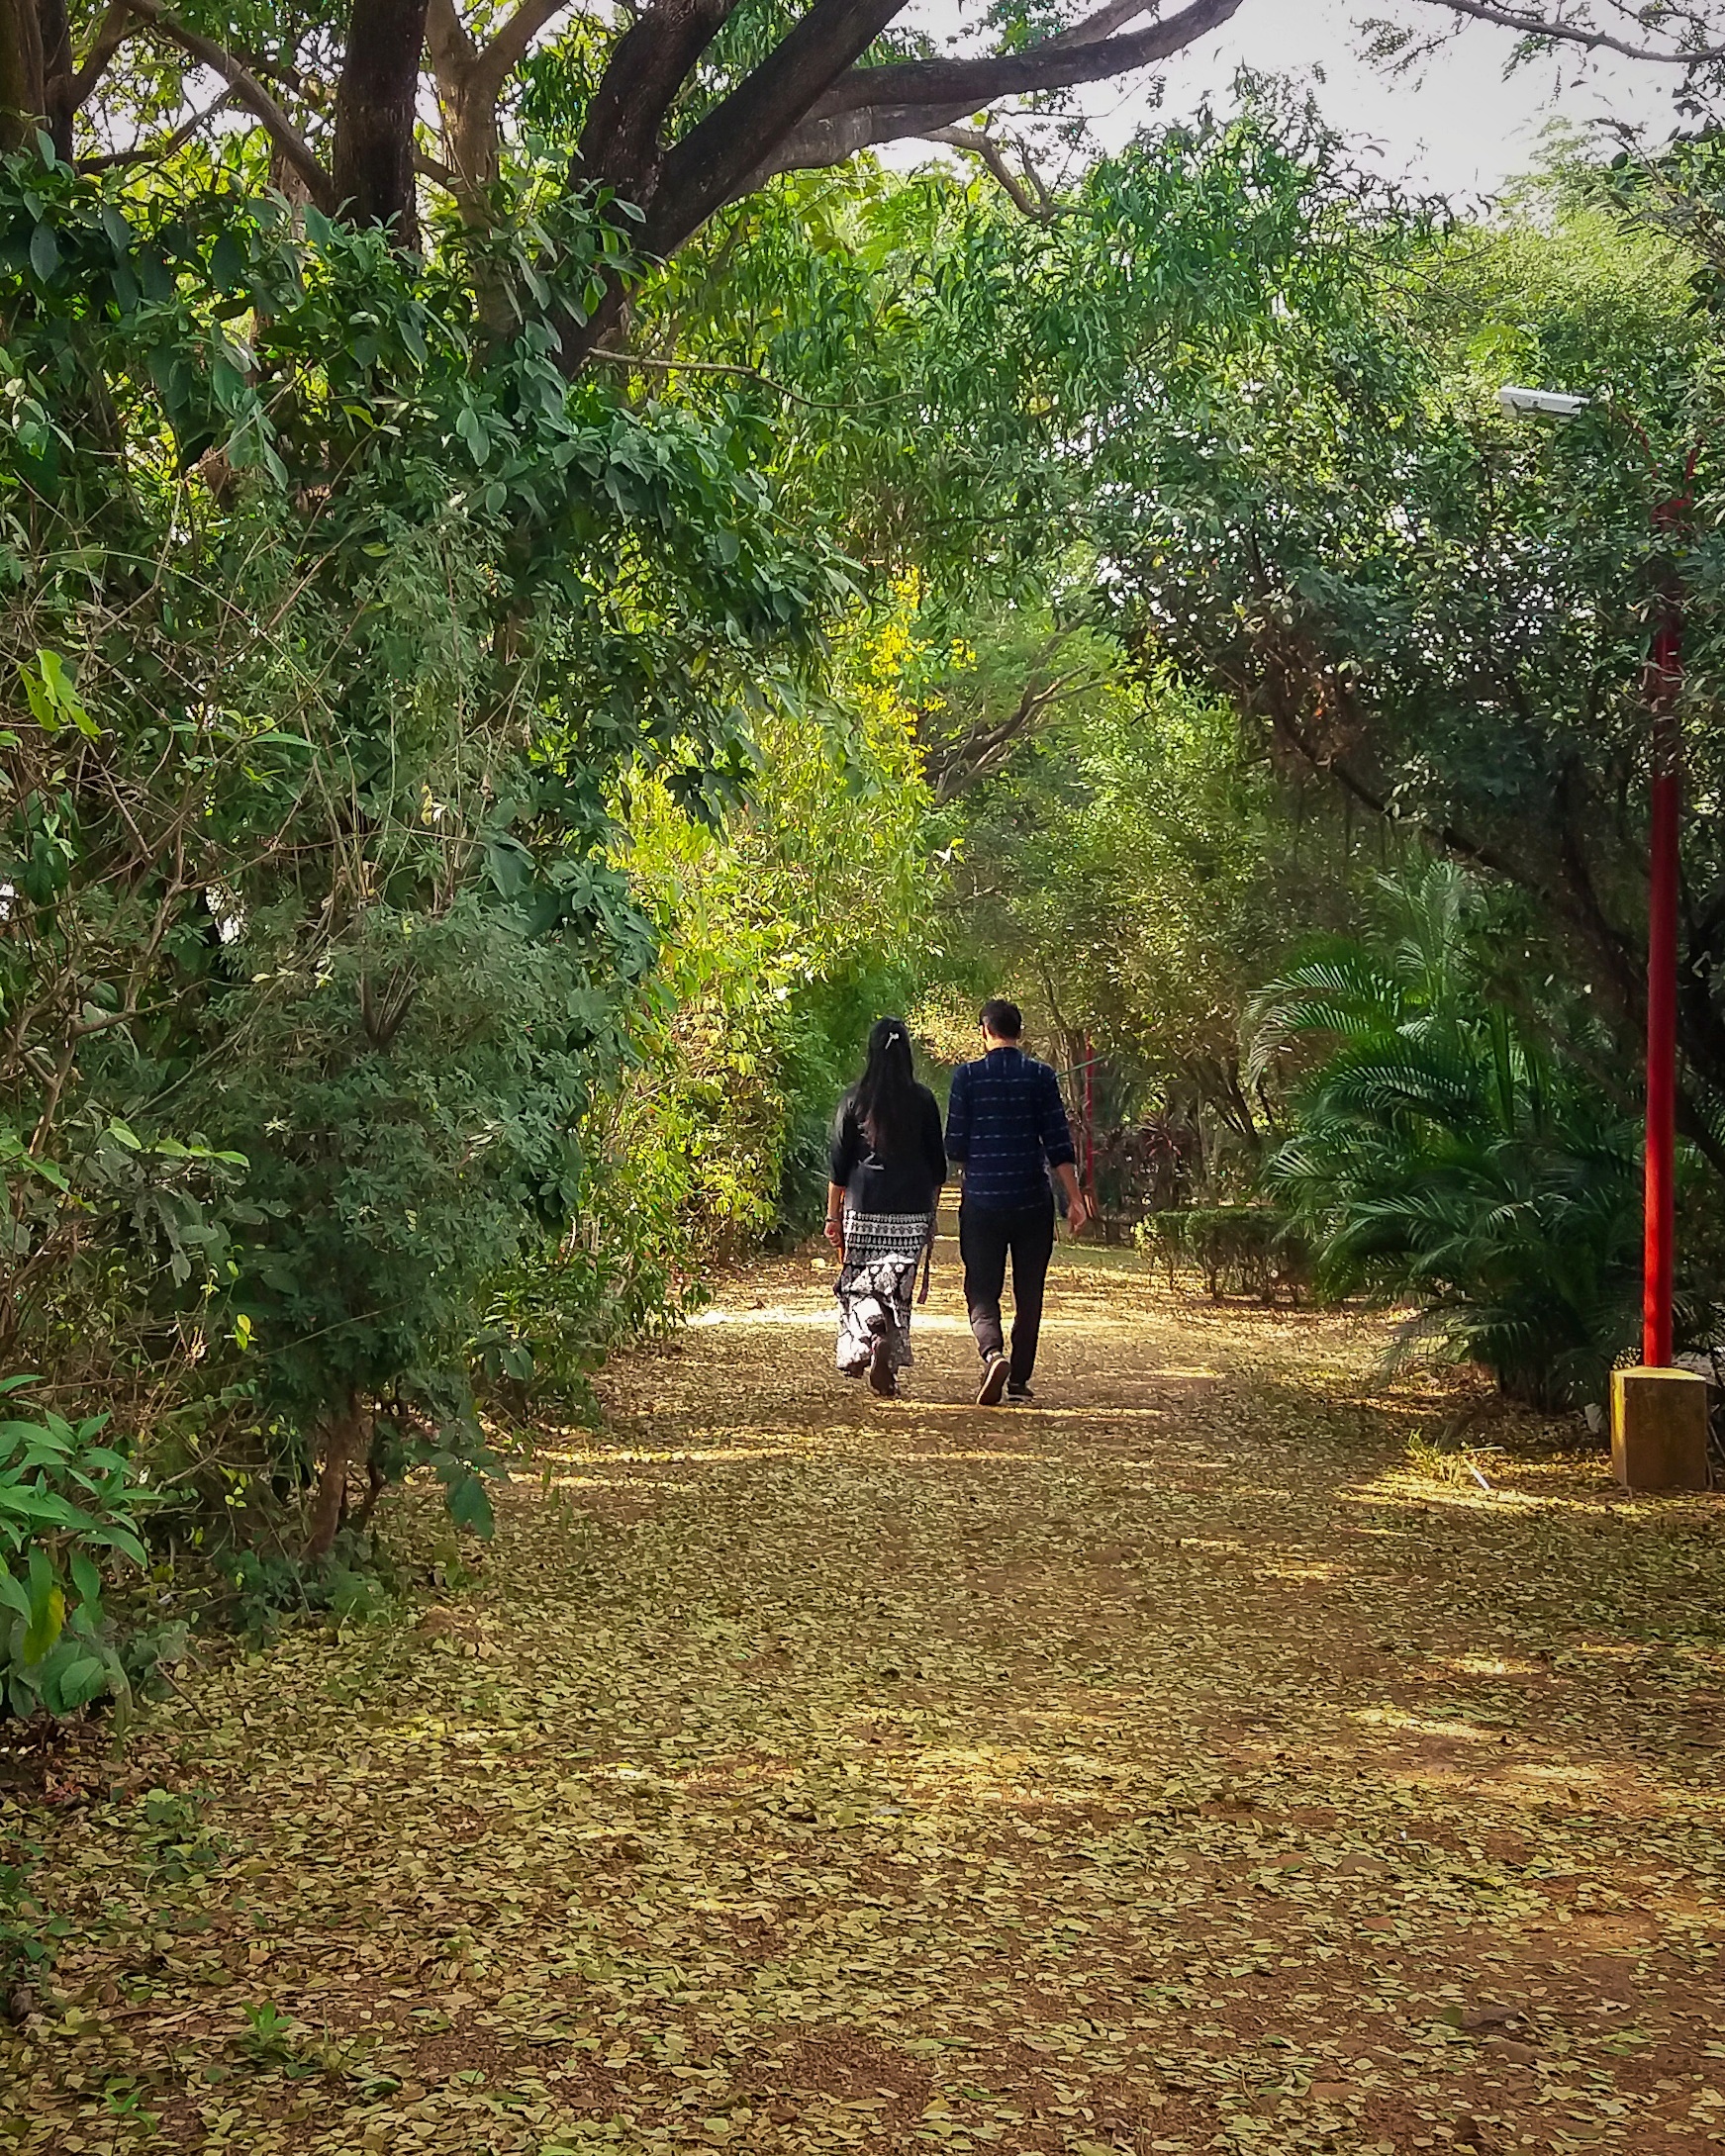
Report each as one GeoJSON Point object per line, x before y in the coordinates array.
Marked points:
{"type": "Point", "coordinates": [1005, 1120]}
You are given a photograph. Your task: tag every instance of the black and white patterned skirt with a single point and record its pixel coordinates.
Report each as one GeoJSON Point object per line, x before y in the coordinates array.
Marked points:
{"type": "Point", "coordinates": [877, 1284]}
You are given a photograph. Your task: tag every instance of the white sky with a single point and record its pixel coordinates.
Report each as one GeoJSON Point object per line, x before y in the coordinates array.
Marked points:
{"type": "Point", "coordinates": [1455, 126]}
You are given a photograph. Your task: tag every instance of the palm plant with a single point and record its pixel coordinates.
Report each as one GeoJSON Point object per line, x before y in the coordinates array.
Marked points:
{"type": "Point", "coordinates": [1445, 1151]}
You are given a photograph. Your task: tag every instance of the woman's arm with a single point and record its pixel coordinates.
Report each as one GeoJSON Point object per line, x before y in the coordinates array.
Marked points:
{"type": "Point", "coordinates": [836, 1216]}
{"type": "Point", "coordinates": [934, 1152]}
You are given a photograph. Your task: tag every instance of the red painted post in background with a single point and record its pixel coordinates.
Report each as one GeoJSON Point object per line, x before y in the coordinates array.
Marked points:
{"type": "Point", "coordinates": [1663, 680]}
{"type": "Point", "coordinates": [1090, 1121]}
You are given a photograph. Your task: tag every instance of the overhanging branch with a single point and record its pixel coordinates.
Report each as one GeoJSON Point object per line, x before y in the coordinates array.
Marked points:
{"type": "Point", "coordinates": [248, 91]}
{"type": "Point", "coordinates": [873, 105]}
{"type": "Point", "coordinates": [1038, 206]}
{"type": "Point", "coordinates": [1055, 66]}
{"type": "Point", "coordinates": [1535, 23]}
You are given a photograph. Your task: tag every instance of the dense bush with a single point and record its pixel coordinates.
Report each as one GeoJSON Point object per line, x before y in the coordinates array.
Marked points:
{"type": "Point", "coordinates": [335, 632]}
{"type": "Point", "coordinates": [1450, 1150]}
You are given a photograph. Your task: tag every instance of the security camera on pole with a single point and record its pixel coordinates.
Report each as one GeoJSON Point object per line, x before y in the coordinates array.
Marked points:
{"type": "Point", "coordinates": [1658, 1415]}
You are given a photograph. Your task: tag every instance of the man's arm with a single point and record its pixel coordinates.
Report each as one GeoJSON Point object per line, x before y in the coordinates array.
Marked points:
{"type": "Point", "coordinates": [958, 1117]}
{"type": "Point", "coordinates": [1060, 1153]}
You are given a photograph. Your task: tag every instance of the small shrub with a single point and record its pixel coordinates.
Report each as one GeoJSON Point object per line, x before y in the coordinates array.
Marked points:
{"type": "Point", "coordinates": [28, 1931]}
{"type": "Point", "coordinates": [265, 1588]}
{"type": "Point", "coordinates": [70, 1503]}
{"type": "Point", "coordinates": [1241, 1250]}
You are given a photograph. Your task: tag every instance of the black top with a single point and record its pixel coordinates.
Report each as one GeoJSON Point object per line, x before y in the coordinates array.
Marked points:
{"type": "Point", "coordinates": [909, 1183]}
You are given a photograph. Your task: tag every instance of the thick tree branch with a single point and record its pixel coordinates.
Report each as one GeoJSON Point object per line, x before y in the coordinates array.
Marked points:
{"type": "Point", "coordinates": [714, 159]}
{"type": "Point", "coordinates": [498, 60]}
{"type": "Point", "coordinates": [1052, 66]}
{"type": "Point", "coordinates": [448, 36]}
{"type": "Point", "coordinates": [622, 142]}
{"type": "Point", "coordinates": [250, 92]}
{"type": "Point", "coordinates": [874, 105]}
{"type": "Point", "coordinates": [58, 75]}
{"type": "Point", "coordinates": [21, 81]}
{"type": "Point", "coordinates": [116, 26]}
{"type": "Point", "coordinates": [1103, 23]}
{"type": "Point", "coordinates": [471, 137]}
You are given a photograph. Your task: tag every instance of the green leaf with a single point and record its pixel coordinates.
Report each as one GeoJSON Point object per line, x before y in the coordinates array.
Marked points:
{"type": "Point", "coordinates": [470, 1505]}
{"type": "Point", "coordinates": [122, 1540]}
{"type": "Point", "coordinates": [45, 253]}
{"type": "Point", "coordinates": [48, 1612]}
{"type": "Point", "coordinates": [79, 1683]}
{"type": "Point", "coordinates": [87, 1579]}
{"type": "Point", "coordinates": [226, 263]}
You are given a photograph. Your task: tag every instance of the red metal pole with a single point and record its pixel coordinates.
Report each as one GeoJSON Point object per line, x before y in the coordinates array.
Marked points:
{"type": "Point", "coordinates": [1663, 680]}
{"type": "Point", "coordinates": [1090, 1119]}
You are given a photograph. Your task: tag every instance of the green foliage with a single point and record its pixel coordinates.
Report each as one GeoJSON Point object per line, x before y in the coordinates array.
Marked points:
{"type": "Point", "coordinates": [1136, 865]}
{"type": "Point", "coordinates": [1240, 1249]}
{"type": "Point", "coordinates": [335, 630]}
{"type": "Point", "coordinates": [784, 933]}
{"type": "Point", "coordinates": [1447, 1150]}
{"type": "Point", "coordinates": [29, 1933]}
{"type": "Point", "coordinates": [263, 1589]}
{"type": "Point", "coordinates": [70, 1505]}
{"type": "Point", "coordinates": [966, 370]}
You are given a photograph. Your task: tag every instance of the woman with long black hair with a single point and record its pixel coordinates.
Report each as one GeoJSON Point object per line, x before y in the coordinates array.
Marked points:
{"type": "Point", "coordinates": [888, 1163]}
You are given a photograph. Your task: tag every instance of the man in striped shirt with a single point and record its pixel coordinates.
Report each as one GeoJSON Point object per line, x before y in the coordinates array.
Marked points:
{"type": "Point", "coordinates": [1007, 1128]}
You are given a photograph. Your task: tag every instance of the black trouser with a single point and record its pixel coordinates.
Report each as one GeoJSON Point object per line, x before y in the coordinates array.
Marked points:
{"type": "Point", "coordinates": [985, 1241]}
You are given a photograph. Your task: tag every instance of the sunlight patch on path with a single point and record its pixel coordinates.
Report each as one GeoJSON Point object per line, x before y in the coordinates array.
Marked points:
{"type": "Point", "coordinates": [1167, 1768]}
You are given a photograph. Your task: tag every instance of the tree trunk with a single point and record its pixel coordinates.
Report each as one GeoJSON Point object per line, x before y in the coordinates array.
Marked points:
{"type": "Point", "coordinates": [58, 95]}
{"type": "Point", "coordinates": [21, 94]}
{"type": "Point", "coordinates": [373, 163]}
{"type": "Point", "coordinates": [473, 139]}
{"type": "Point", "coordinates": [348, 1440]}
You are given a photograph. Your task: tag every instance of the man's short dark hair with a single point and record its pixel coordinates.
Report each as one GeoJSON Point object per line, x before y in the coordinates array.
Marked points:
{"type": "Point", "coordinates": [1005, 1021]}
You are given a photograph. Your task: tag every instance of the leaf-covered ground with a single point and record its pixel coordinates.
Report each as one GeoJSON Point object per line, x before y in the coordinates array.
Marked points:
{"type": "Point", "coordinates": [1184, 1764]}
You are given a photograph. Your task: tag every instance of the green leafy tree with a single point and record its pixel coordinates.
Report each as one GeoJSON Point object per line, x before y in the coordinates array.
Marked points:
{"type": "Point", "coordinates": [1438, 612]}
{"type": "Point", "coordinates": [328, 651]}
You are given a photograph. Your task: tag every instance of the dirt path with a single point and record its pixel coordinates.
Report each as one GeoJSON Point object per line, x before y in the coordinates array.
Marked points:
{"type": "Point", "coordinates": [1173, 1766]}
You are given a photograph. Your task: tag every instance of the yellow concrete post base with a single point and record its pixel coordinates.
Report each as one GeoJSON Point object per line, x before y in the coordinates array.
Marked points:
{"type": "Point", "coordinates": [1659, 1428]}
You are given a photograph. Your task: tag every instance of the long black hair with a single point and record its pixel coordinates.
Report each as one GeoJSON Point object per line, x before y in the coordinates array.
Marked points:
{"type": "Point", "coordinates": [885, 1095]}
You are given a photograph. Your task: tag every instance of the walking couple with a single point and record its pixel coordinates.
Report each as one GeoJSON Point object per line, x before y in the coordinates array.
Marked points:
{"type": "Point", "coordinates": [1005, 1132]}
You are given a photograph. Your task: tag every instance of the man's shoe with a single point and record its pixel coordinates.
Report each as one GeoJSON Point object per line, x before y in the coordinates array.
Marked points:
{"type": "Point", "coordinates": [1020, 1396]}
{"type": "Point", "coordinates": [993, 1381]}
{"type": "Point", "coordinates": [881, 1377]}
